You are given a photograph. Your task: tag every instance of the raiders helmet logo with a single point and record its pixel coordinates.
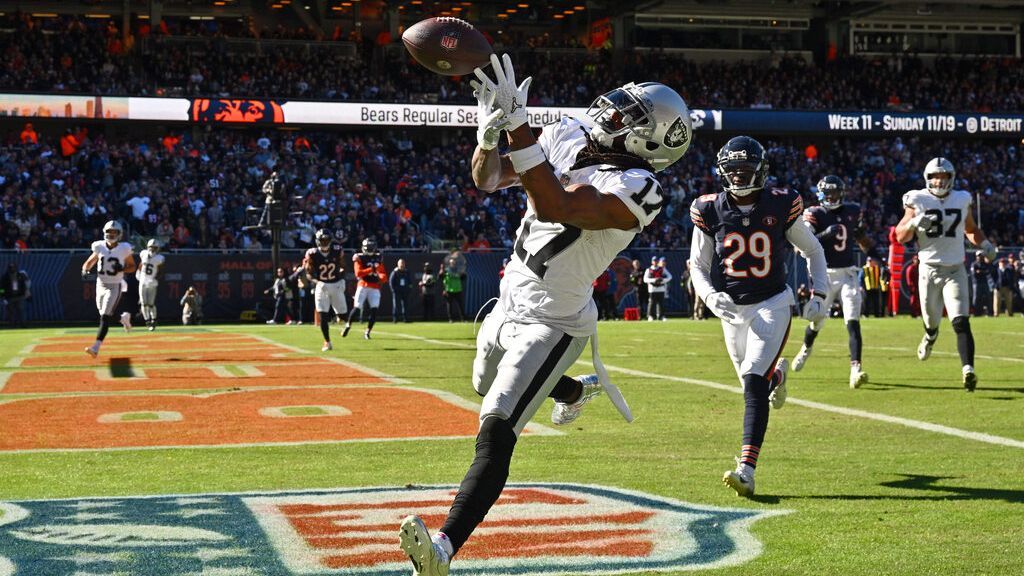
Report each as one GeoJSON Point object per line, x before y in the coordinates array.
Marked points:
{"type": "Point", "coordinates": [677, 134]}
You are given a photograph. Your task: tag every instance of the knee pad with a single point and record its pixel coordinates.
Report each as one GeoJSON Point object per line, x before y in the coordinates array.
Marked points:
{"type": "Point", "coordinates": [961, 324]}
{"type": "Point", "coordinates": [497, 433]}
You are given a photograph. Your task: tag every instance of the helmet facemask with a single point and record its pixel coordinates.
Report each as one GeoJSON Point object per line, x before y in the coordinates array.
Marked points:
{"type": "Point", "coordinates": [938, 167]}
{"type": "Point", "coordinates": [741, 176]}
{"type": "Point", "coordinates": [651, 119]}
{"type": "Point", "coordinates": [830, 193]}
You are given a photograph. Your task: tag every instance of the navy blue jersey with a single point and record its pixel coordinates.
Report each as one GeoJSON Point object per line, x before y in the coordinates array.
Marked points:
{"type": "Point", "coordinates": [751, 248]}
{"type": "Point", "coordinates": [325, 267]}
{"type": "Point", "coordinates": [838, 248]}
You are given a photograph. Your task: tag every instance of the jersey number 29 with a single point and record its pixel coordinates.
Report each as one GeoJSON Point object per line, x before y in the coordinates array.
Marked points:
{"type": "Point", "coordinates": [759, 245]}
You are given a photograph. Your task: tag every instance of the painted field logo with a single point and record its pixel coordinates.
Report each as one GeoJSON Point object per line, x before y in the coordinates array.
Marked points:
{"type": "Point", "coordinates": [534, 529]}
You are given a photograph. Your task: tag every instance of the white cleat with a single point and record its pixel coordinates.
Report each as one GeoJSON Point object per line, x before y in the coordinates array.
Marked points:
{"type": "Point", "coordinates": [428, 558]}
{"type": "Point", "coordinates": [126, 321]}
{"type": "Point", "coordinates": [741, 480]}
{"type": "Point", "coordinates": [777, 395]}
{"type": "Point", "coordinates": [970, 378]}
{"type": "Point", "coordinates": [857, 376]}
{"type": "Point", "coordinates": [326, 347]}
{"type": "Point", "coordinates": [924, 349]}
{"type": "Point", "coordinates": [801, 358]}
{"type": "Point", "coordinates": [92, 351]}
{"type": "Point", "coordinates": [564, 413]}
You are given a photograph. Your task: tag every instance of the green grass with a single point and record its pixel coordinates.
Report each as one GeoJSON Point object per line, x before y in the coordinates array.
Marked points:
{"type": "Point", "coordinates": [868, 497]}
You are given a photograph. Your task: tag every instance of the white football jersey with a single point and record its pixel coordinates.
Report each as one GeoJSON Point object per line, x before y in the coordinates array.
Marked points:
{"type": "Point", "coordinates": [149, 266]}
{"type": "Point", "coordinates": [943, 244]}
{"type": "Point", "coordinates": [549, 277]}
{"type": "Point", "coordinates": [110, 265]}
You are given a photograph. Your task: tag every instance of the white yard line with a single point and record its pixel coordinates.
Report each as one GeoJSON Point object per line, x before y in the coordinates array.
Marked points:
{"type": "Point", "coordinates": [853, 412]}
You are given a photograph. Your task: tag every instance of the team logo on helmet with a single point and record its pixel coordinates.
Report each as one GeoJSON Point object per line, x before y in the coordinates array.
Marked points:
{"type": "Point", "coordinates": [677, 135]}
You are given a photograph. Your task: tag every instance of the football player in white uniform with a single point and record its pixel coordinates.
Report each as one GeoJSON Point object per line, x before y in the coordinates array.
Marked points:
{"type": "Point", "coordinates": [150, 270]}
{"type": "Point", "coordinates": [939, 217]}
{"type": "Point", "coordinates": [590, 191]}
{"type": "Point", "coordinates": [738, 256]}
{"type": "Point", "coordinates": [112, 259]}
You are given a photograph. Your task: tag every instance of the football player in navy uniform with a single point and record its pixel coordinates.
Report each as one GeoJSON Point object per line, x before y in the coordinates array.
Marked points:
{"type": "Point", "coordinates": [324, 266]}
{"type": "Point", "coordinates": [371, 274]}
{"type": "Point", "coordinates": [838, 225]}
{"type": "Point", "coordinates": [738, 257]}
{"type": "Point", "coordinates": [590, 190]}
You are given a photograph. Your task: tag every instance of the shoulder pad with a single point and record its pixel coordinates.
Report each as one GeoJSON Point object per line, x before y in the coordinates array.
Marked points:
{"type": "Point", "coordinates": [702, 212]}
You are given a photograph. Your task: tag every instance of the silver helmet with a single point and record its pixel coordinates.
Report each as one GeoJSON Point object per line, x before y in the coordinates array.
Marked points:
{"type": "Point", "coordinates": [112, 231]}
{"type": "Point", "coordinates": [153, 246]}
{"type": "Point", "coordinates": [939, 166]}
{"type": "Point", "coordinates": [653, 118]}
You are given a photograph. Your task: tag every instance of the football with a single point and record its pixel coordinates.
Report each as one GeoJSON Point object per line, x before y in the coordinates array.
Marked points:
{"type": "Point", "coordinates": [447, 46]}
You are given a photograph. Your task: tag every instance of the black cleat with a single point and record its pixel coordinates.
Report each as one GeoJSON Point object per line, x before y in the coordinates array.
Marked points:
{"type": "Point", "coordinates": [344, 331]}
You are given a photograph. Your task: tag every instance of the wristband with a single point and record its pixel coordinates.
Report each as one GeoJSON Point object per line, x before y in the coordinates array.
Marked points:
{"type": "Point", "coordinates": [527, 158]}
{"type": "Point", "coordinates": [818, 294]}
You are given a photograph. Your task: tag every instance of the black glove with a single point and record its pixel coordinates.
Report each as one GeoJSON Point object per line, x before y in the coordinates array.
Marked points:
{"type": "Point", "coordinates": [828, 233]}
{"type": "Point", "coordinates": [86, 274]}
{"type": "Point", "coordinates": [371, 278]}
{"type": "Point", "coordinates": [117, 267]}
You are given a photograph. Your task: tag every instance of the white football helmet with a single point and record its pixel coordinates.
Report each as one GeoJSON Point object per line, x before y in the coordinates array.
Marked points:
{"type": "Point", "coordinates": [112, 231]}
{"type": "Point", "coordinates": [153, 246]}
{"type": "Point", "coordinates": [939, 166]}
{"type": "Point", "coordinates": [653, 118]}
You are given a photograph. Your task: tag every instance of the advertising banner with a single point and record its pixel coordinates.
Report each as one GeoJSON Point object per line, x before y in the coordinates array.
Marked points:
{"type": "Point", "coordinates": [287, 112]}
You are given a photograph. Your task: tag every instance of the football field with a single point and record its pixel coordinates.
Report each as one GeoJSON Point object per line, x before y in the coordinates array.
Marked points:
{"type": "Point", "coordinates": [243, 450]}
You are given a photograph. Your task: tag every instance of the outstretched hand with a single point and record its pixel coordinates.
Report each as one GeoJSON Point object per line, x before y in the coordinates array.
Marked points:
{"type": "Point", "coordinates": [508, 96]}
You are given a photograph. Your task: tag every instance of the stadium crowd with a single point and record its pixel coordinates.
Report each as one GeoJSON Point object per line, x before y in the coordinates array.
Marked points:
{"type": "Point", "coordinates": [193, 192]}
{"type": "Point", "coordinates": [94, 57]}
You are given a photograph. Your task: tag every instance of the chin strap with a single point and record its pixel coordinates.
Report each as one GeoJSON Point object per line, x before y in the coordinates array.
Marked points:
{"type": "Point", "coordinates": [610, 389]}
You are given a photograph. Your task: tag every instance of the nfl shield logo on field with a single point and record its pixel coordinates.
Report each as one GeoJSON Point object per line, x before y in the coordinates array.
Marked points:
{"type": "Point", "coordinates": [533, 530]}
{"type": "Point", "coordinates": [450, 41]}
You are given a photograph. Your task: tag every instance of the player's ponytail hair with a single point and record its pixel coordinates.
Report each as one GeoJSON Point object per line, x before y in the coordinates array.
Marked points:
{"type": "Point", "coordinates": [594, 153]}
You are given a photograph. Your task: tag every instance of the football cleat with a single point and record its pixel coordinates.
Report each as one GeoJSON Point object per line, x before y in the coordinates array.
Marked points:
{"type": "Point", "coordinates": [366, 335]}
{"type": "Point", "coordinates": [564, 413]}
{"type": "Point", "coordinates": [92, 351]}
{"type": "Point", "coordinates": [970, 378]}
{"type": "Point", "coordinates": [344, 331]}
{"type": "Point", "coordinates": [777, 395]}
{"type": "Point", "coordinates": [152, 326]}
{"type": "Point", "coordinates": [924, 349]}
{"type": "Point", "coordinates": [326, 347]}
{"type": "Point", "coordinates": [427, 557]}
{"type": "Point", "coordinates": [741, 479]}
{"type": "Point", "coordinates": [801, 358]}
{"type": "Point", "coordinates": [126, 321]}
{"type": "Point", "coordinates": [857, 376]}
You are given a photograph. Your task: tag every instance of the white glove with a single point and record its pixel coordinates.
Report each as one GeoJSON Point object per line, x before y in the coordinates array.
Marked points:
{"type": "Point", "coordinates": [491, 121]}
{"type": "Point", "coordinates": [721, 305]}
{"type": "Point", "coordinates": [814, 310]}
{"type": "Point", "coordinates": [990, 250]}
{"type": "Point", "coordinates": [923, 222]}
{"type": "Point", "coordinates": [509, 97]}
